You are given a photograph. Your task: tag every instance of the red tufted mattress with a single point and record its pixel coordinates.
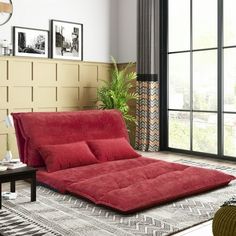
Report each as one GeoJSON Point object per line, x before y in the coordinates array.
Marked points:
{"type": "Point", "coordinates": [126, 185]}
{"type": "Point", "coordinates": [133, 184]}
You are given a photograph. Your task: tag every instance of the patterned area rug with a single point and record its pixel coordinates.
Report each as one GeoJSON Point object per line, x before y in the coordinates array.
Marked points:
{"type": "Point", "coordinates": [57, 214]}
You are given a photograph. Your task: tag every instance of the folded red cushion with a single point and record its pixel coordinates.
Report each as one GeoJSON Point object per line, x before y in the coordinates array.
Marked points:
{"type": "Point", "coordinates": [63, 156]}
{"type": "Point", "coordinates": [112, 149]}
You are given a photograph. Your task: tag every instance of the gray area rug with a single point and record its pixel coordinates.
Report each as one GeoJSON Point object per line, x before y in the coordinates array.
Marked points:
{"type": "Point", "coordinates": [57, 214]}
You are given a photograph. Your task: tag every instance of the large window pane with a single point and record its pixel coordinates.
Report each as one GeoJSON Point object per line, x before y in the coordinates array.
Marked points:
{"type": "Point", "coordinates": [230, 79]}
{"type": "Point", "coordinates": [229, 135]}
{"type": "Point", "coordinates": [179, 25]}
{"type": "Point", "coordinates": [204, 24]}
{"type": "Point", "coordinates": [179, 130]}
{"type": "Point", "coordinates": [229, 22]}
{"type": "Point", "coordinates": [205, 80]}
{"type": "Point", "coordinates": [179, 80]}
{"type": "Point", "coordinates": [192, 84]}
{"type": "Point", "coordinates": [205, 132]}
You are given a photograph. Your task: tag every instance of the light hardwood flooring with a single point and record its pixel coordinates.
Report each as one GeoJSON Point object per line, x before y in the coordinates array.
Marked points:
{"type": "Point", "coordinates": [204, 229]}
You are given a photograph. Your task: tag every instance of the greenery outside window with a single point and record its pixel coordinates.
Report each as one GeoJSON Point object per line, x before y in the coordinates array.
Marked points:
{"type": "Point", "coordinates": [200, 68]}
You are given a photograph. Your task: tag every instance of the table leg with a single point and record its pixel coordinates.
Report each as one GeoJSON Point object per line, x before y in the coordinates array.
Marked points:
{"type": "Point", "coordinates": [13, 186]}
{"type": "Point", "coordinates": [33, 188]}
{"type": "Point", "coordinates": [0, 195]}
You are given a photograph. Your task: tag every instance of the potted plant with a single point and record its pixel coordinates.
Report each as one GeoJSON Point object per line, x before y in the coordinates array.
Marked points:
{"type": "Point", "coordinates": [116, 93]}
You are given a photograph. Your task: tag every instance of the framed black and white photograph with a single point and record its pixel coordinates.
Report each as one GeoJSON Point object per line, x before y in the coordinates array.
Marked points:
{"type": "Point", "coordinates": [67, 40]}
{"type": "Point", "coordinates": [30, 42]}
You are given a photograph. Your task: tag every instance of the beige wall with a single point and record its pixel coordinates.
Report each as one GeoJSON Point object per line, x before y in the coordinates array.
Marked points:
{"type": "Point", "coordinates": [28, 84]}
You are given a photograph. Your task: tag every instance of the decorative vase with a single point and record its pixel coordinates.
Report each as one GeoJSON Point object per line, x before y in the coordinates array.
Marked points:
{"type": "Point", "coordinates": [8, 156]}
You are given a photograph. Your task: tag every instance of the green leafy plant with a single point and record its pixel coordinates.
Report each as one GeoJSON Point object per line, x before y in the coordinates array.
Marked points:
{"type": "Point", "coordinates": [116, 94]}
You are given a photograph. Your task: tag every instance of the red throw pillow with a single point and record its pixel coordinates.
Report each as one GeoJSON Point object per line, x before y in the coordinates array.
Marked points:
{"type": "Point", "coordinates": [112, 149]}
{"type": "Point", "coordinates": [64, 156]}
{"type": "Point", "coordinates": [35, 129]}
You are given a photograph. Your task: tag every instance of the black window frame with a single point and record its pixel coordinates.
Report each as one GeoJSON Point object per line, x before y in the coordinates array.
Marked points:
{"type": "Point", "coordinates": [164, 84]}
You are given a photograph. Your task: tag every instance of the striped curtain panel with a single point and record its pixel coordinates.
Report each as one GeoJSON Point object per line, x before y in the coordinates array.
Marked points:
{"type": "Point", "coordinates": [147, 110]}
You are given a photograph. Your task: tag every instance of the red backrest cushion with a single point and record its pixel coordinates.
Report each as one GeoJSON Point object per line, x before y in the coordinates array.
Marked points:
{"type": "Point", "coordinates": [35, 129]}
{"type": "Point", "coordinates": [112, 149]}
{"type": "Point", "coordinates": [21, 142]}
{"type": "Point", "coordinates": [64, 156]}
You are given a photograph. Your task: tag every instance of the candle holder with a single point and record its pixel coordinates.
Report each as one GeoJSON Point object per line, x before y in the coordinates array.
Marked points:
{"type": "Point", "coordinates": [3, 45]}
{"type": "Point", "coordinates": [4, 51]}
{"type": "Point", "coordinates": [6, 48]}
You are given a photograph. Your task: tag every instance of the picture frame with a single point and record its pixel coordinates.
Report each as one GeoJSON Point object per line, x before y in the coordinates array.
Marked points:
{"type": "Point", "coordinates": [30, 42]}
{"type": "Point", "coordinates": [66, 40]}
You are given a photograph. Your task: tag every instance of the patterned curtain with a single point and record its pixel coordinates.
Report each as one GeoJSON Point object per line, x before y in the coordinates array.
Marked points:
{"type": "Point", "coordinates": [147, 110]}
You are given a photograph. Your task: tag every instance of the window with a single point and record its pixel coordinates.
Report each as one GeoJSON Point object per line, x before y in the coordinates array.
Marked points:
{"type": "Point", "coordinates": [200, 68]}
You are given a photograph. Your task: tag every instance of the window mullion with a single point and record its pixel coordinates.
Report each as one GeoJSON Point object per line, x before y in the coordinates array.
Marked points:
{"type": "Point", "coordinates": [191, 75]}
{"type": "Point", "coordinates": [220, 80]}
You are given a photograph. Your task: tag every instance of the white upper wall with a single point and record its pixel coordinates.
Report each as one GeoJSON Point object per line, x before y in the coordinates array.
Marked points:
{"type": "Point", "coordinates": [127, 31]}
{"type": "Point", "coordinates": [109, 25]}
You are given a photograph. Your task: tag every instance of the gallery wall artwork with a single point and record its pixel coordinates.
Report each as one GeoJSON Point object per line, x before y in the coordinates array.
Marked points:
{"type": "Point", "coordinates": [66, 40]}
{"type": "Point", "coordinates": [63, 41]}
{"type": "Point", "coordinates": [30, 42]}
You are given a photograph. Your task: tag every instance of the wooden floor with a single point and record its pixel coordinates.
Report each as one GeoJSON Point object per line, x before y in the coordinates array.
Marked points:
{"type": "Point", "coordinates": [199, 230]}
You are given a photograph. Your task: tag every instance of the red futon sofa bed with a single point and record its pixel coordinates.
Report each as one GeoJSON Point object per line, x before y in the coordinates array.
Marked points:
{"type": "Point", "coordinates": [87, 154]}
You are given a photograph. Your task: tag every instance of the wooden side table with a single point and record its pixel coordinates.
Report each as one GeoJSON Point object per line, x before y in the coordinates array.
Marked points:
{"type": "Point", "coordinates": [22, 173]}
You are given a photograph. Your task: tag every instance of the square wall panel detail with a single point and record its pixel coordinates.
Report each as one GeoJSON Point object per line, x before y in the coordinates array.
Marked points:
{"type": "Point", "coordinates": [90, 94]}
{"type": "Point", "coordinates": [20, 72]}
{"type": "Point", "coordinates": [90, 107]}
{"type": "Point", "coordinates": [104, 73]}
{"type": "Point", "coordinates": [46, 96]}
{"type": "Point", "coordinates": [3, 114]}
{"type": "Point", "coordinates": [68, 109]}
{"type": "Point", "coordinates": [3, 95]}
{"type": "Point", "coordinates": [47, 109]}
{"type": "Point", "coordinates": [22, 109]}
{"type": "Point", "coordinates": [3, 71]}
{"type": "Point", "coordinates": [89, 75]}
{"type": "Point", "coordinates": [3, 145]}
{"type": "Point", "coordinates": [68, 74]}
{"type": "Point", "coordinates": [68, 96]}
{"type": "Point", "coordinates": [21, 96]}
{"type": "Point", "coordinates": [45, 73]}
